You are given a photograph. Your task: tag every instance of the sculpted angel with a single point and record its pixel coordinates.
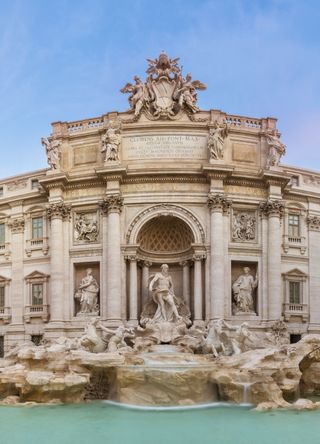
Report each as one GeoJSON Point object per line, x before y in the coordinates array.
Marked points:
{"type": "Point", "coordinates": [187, 92]}
{"type": "Point", "coordinates": [138, 94]}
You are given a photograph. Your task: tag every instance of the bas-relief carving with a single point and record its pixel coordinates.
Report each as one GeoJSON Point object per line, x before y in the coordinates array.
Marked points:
{"type": "Point", "coordinates": [53, 151]}
{"type": "Point", "coordinates": [311, 180]}
{"type": "Point", "coordinates": [165, 92]}
{"type": "Point", "coordinates": [87, 295]}
{"type": "Point", "coordinates": [17, 185]}
{"type": "Point", "coordinates": [243, 292]}
{"type": "Point", "coordinates": [86, 228]}
{"type": "Point", "coordinates": [165, 146]}
{"type": "Point", "coordinates": [244, 226]}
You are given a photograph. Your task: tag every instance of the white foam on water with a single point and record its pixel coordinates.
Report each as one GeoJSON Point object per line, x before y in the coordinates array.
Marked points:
{"type": "Point", "coordinates": [176, 408]}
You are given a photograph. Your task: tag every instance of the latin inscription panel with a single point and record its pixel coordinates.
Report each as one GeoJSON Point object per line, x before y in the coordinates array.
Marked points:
{"type": "Point", "coordinates": [165, 146]}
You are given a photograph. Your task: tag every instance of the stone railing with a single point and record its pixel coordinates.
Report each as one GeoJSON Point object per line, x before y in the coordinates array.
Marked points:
{"type": "Point", "coordinates": [84, 125]}
{"type": "Point", "coordinates": [291, 309]}
{"type": "Point", "coordinates": [294, 241]}
{"type": "Point", "coordinates": [5, 314]}
{"type": "Point", "coordinates": [243, 122]}
{"type": "Point", "coordinates": [36, 311]}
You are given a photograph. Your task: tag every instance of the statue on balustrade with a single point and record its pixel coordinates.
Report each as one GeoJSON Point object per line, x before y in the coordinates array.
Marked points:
{"type": "Point", "coordinates": [87, 294]}
{"type": "Point", "coordinates": [243, 289]}
{"type": "Point", "coordinates": [216, 140]}
{"type": "Point", "coordinates": [53, 153]}
{"type": "Point", "coordinates": [276, 149]}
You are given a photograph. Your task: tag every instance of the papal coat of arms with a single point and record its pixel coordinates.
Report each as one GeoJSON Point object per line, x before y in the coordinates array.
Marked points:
{"type": "Point", "coordinates": [165, 92]}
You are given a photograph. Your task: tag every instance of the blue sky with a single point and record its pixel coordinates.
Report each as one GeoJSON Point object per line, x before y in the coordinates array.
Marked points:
{"type": "Point", "coordinates": [67, 60]}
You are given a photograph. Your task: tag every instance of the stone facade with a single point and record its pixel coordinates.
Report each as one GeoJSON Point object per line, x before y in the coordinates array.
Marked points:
{"type": "Point", "coordinates": [165, 182]}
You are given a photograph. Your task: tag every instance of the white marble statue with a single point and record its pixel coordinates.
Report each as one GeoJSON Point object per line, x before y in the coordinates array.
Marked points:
{"type": "Point", "coordinates": [163, 295]}
{"type": "Point", "coordinates": [116, 338]}
{"type": "Point", "coordinates": [276, 149]}
{"type": "Point", "coordinates": [87, 294]}
{"type": "Point", "coordinates": [85, 229]}
{"type": "Point", "coordinates": [243, 289]}
{"type": "Point", "coordinates": [52, 148]}
{"type": "Point", "coordinates": [216, 140]}
{"type": "Point", "coordinates": [91, 340]}
{"type": "Point", "coordinates": [110, 144]}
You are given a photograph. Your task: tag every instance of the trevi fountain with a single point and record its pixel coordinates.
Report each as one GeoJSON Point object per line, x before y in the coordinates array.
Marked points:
{"type": "Point", "coordinates": [172, 290]}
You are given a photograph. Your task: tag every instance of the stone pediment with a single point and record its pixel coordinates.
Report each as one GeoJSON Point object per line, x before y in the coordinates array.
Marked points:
{"type": "Point", "coordinates": [37, 275]}
{"type": "Point", "coordinates": [4, 280]}
{"type": "Point", "coordinates": [295, 273]}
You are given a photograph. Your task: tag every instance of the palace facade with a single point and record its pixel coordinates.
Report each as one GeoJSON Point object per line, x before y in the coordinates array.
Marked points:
{"type": "Point", "coordinates": [202, 191]}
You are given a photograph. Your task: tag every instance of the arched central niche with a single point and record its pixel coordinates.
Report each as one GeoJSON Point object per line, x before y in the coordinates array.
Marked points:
{"type": "Point", "coordinates": [165, 234]}
{"type": "Point", "coordinates": [168, 234]}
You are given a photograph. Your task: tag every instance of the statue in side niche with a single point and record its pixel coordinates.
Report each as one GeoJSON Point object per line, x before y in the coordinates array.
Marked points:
{"type": "Point", "coordinates": [87, 294]}
{"type": "Point", "coordinates": [111, 143]}
{"type": "Point", "coordinates": [243, 289]}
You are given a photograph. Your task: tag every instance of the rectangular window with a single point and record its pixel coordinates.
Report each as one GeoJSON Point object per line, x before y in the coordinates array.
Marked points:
{"type": "Point", "coordinates": [37, 227]}
{"type": "Point", "coordinates": [37, 294]}
{"type": "Point", "coordinates": [1, 346]}
{"type": "Point", "coordinates": [295, 292]}
{"type": "Point", "coordinates": [2, 293]}
{"type": "Point", "coordinates": [294, 181]}
{"type": "Point", "coordinates": [2, 234]}
{"type": "Point", "coordinates": [1, 191]}
{"type": "Point", "coordinates": [294, 225]}
{"type": "Point", "coordinates": [34, 184]}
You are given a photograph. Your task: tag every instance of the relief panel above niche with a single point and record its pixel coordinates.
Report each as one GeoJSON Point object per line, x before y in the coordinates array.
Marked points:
{"type": "Point", "coordinates": [246, 152]}
{"type": "Point", "coordinates": [84, 154]}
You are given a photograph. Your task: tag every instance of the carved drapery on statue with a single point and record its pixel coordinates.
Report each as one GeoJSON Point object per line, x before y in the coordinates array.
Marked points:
{"type": "Point", "coordinates": [216, 141]}
{"type": "Point", "coordinates": [165, 92]}
{"type": "Point", "coordinates": [110, 142]}
{"type": "Point", "coordinates": [276, 149]}
{"type": "Point", "coordinates": [53, 152]}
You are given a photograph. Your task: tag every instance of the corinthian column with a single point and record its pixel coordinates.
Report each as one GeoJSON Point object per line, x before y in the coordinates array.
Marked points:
{"type": "Point", "coordinates": [197, 293]}
{"type": "Point", "coordinates": [145, 282]}
{"type": "Point", "coordinates": [133, 290]}
{"type": "Point", "coordinates": [57, 212]}
{"type": "Point", "coordinates": [186, 282]}
{"type": "Point", "coordinates": [273, 209]}
{"type": "Point", "coordinates": [218, 204]}
{"type": "Point", "coordinates": [112, 205]}
{"type": "Point", "coordinates": [314, 271]}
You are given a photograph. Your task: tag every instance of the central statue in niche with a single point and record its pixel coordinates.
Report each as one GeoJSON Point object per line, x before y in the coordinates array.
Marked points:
{"type": "Point", "coordinates": [163, 295]}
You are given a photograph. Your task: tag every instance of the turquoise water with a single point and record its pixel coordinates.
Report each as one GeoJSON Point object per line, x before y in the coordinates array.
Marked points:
{"type": "Point", "coordinates": [108, 424]}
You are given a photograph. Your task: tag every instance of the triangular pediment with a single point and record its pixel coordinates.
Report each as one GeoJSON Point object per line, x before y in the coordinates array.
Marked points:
{"type": "Point", "coordinates": [4, 280]}
{"type": "Point", "coordinates": [295, 272]}
{"type": "Point", "coordinates": [37, 275]}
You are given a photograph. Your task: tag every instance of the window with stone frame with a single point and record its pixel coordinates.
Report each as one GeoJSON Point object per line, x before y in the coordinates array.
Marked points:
{"type": "Point", "coordinates": [2, 234]}
{"type": "Point", "coordinates": [37, 294]}
{"type": "Point", "coordinates": [2, 296]}
{"type": "Point", "coordinates": [37, 228]}
{"type": "Point", "coordinates": [295, 288]}
{"type": "Point", "coordinates": [293, 225]}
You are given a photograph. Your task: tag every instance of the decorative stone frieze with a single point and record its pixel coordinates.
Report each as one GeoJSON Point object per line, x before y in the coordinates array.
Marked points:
{"type": "Point", "coordinates": [59, 209]}
{"type": "Point", "coordinates": [218, 202]}
{"type": "Point", "coordinates": [17, 225]}
{"type": "Point", "coordinates": [313, 222]}
{"type": "Point", "coordinates": [112, 203]}
{"type": "Point", "coordinates": [272, 208]}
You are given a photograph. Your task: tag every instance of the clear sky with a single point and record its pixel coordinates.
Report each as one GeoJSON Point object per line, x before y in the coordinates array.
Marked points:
{"type": "Point", "coordinates": [68, 59]}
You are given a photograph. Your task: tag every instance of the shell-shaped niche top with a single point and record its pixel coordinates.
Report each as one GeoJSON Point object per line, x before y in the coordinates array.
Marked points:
{"type": "Point", "coordinates": [165, 234]}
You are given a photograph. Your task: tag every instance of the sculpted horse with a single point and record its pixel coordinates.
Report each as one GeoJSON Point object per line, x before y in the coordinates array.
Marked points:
{"type": "Point", "coordinates": [215, 340]}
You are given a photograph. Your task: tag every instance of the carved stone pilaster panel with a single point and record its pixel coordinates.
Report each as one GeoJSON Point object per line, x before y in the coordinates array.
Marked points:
{"type": "Point", "coordinates": [112, 203]}
{"type": "Point", "coordinates": [59, 209]}
{"type": "Point", "coordinates": [218, 202]}
{"type": "Point", "coordinates": [17, 225]}
{"type": "Point", "coordinates": [272, 208]}
{"type": "Point", "coordinates": [313, 222]}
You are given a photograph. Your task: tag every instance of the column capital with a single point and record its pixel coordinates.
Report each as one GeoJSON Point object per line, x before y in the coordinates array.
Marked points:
{"type": "Point", "coordinates": [313, 222]}
{"type": "Point", "coordinates": [184, 263]}
{"type": "Point", "coordinates": [272, 208]}
{"type": "Point", "coordinates": [199, 256]}
{"type": "Point", "coordinates": [17, 225]}
{"type": "Point", "coordinates": [112, 203]}
{"type": "Point", "coordinates": [131, 257]}
{"type": "Point", "coordinates": [59, 210]}
{"type": "Point", "coordinates": [147, 264]}
{"type": "Point", "coordinates": [218, 202]}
